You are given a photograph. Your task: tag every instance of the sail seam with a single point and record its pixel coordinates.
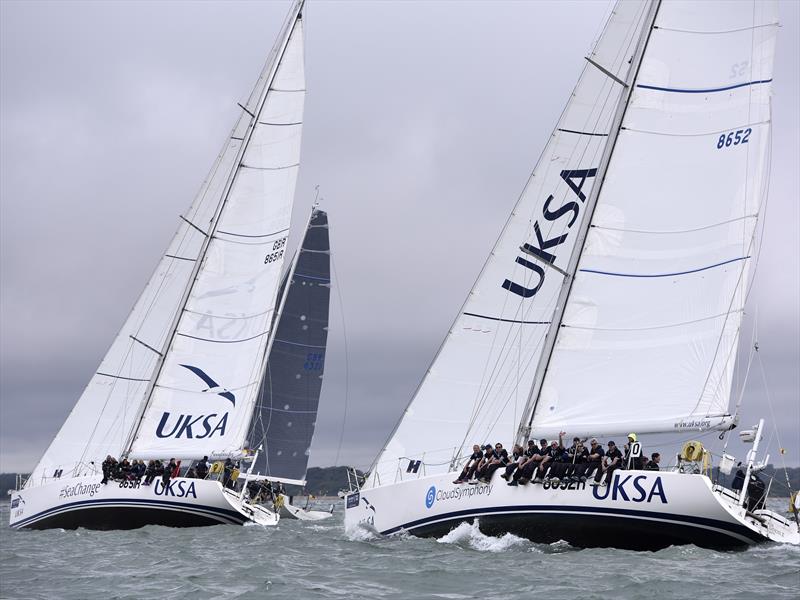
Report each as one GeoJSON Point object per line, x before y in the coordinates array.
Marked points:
{"type": "Point", "coordinates": [637, 275]}
{"type": "Point", "coordinates": [606, 72]}
{"type": "Point", "coordinates": [264, 243]}
{"type": "Point", "coordinates": [507, 320]}
{"type": "Point", "coordinates": [727, 222]}
{"type": "Point", "coordinates": [272, 89]}
{"type": "Point", "coordinates": [720, 32]}
{"type": "Point", "coordinates": [148, 346]}
{"type": "Point", "coordinates": [120, 377]}
{"type": "Point", "coordinates": [710, 318]}
{"type": "Point", "coordinates": [297, 344]}
{"type": "Point", "coordinates": [312, 277]}
{"type": "Point", "coordinates": [702, 91]}
{"type": "Point", "coordinates": [252, 236]}
{"type": "Point", "coordinates": [279, 124]}
{"type": "Point", "coordinates": [205, 314]}
{"type": "Point", "coordinates": [193, 225]}
{"type": "Point", "coordinates": [704, 133]}
{"type": "Point", "coordinates": [180, 257]}
{"type": "Point", "coordinates": [206, 392]}
{"type": "Point", "coordinates": [244, 166]}
{"type": "Point", "coordinates": [582, 132]}
{"type": "Point", "coordinates": [221, 341]}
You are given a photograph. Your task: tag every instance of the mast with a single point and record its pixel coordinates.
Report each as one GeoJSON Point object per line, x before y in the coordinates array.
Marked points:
{"type": "Point", "coordinates": [295, 15]}
{"type": "Point", "coordinates": [528, 412]}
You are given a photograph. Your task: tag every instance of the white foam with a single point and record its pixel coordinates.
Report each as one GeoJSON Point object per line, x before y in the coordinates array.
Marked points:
{"type": "Point", "coordinates": [468, 535]}
{"type": "Point", "coordinates": [361, 533]}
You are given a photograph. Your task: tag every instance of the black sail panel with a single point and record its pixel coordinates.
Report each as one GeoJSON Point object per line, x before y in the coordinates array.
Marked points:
{"type": "Point", "coordinates": [286, 412]}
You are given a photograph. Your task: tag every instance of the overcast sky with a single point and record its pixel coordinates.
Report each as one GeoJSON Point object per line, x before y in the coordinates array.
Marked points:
{"type": "Point", "coordinates": [423, 121]}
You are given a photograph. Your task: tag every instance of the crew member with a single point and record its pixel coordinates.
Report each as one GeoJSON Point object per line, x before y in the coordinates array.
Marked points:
{"type": "Point", "coordinates": [655, 458]}
{"type": "Point", "coordinates": [472, 464]}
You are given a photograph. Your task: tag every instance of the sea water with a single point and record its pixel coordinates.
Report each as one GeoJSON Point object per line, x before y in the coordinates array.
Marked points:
{"type": "Point", "coordinates": [298, 560]}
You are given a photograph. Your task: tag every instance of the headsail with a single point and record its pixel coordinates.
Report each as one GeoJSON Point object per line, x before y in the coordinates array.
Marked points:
{"type": "Point", "coordinates": [477, 386]}
{"type": "Point", "coordinates": [205, 392]}
{"type": "Point", "coordinates": [286, 412]}
{"type": "Point", "coordinates": [649, 334]}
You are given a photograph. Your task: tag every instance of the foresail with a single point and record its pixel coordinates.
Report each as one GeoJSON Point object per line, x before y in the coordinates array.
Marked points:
{"type": "Point", "coordinates": [475, 390]}
{"type": "Point", "coordinates": [204, 395]}
{"type": "Point", "coordinates": [650, 331]}
{"type": "Point", "coordinates": [286, 413]}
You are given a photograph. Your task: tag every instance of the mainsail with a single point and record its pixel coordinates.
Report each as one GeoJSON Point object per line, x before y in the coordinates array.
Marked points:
{"type": "Point", "coordinates": [650, 330]}
{"type": "Point", "coordinates": [286, 412]}
{"type": "Point", "coordinates": [479, 382]}
{"type": "Point", "coordinates": [110, 407]}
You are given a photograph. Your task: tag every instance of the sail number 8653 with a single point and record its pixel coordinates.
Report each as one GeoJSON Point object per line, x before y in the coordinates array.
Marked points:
{"type": "Point", "coordinates": [734, 138]}
{"type": "Point", "coordinates": [277, 251]}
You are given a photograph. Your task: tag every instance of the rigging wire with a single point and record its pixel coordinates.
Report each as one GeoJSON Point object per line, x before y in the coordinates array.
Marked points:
{"type": "Point", "coordinates": [775, 432]}
{"type": "Point", "coordinates": [346, 362]}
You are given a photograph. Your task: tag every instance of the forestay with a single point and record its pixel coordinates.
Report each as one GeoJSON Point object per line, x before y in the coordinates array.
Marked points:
{"type": "Point", "coordinates": [481, 377]}
{"type": "Point", "coordinates": [286, 413]}
{"type": "Point", "coordinates": [205, 392]}
{"type": "Point", "coordinates": [649, 334]}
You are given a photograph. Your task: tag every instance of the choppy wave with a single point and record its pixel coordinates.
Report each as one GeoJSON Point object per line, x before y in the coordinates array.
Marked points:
{"type": "Point", "coordinates": [468, 535]}
{"type": "Point", "coordinates": [317, 560]}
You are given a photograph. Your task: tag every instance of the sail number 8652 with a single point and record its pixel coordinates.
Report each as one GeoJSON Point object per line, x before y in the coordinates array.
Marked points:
{"type": "Point", "coordinates": [734, 138]}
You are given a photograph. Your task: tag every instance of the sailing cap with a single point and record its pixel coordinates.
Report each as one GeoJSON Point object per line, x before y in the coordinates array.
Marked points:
{"type": "Point", "coordinates": [611, 444]}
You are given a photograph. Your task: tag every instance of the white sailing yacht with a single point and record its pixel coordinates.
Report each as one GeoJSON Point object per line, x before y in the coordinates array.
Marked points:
{"type": "Point", "coordinates": [612, 300]}
{"type": "Point", "coordinates": [182, 378]}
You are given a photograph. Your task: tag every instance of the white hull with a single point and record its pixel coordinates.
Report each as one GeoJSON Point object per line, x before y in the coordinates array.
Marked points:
{"type": "Point", "coordinates": [85, 502]}
{"type": "Point", "coordinates": [288, 511]}
{"type": "Point", "coordinates": [641, 510]}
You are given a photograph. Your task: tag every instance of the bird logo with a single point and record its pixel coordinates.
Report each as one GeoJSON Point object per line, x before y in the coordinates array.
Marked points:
{"type": "Point", "coordinates": [213, 386]}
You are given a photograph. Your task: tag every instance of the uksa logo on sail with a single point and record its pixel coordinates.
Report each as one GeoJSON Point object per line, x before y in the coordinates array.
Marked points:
{"type": "Point", "coordinates": [200, 426]}
{"type": "Point", "coordinates": [544, 249]}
